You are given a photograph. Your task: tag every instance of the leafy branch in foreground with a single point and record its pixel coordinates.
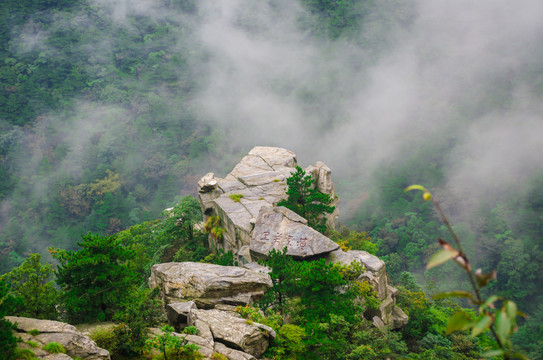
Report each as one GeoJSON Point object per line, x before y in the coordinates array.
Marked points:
{"type": "Point", "coordinates": [501, 322]}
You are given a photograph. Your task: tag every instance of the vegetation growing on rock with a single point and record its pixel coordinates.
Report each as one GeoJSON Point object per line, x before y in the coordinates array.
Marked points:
{"type": "Point", "coordinates": [305, 200]}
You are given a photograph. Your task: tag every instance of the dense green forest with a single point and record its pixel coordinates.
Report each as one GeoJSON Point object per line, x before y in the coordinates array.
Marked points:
{"type": "Point", "coordinates": [110, 112]}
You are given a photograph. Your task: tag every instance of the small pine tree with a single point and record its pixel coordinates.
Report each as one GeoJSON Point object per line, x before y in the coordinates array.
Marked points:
{"type": "Point", "coordinates": [94, 279]}
{"type": "Point", "coordinates": [305, 200]}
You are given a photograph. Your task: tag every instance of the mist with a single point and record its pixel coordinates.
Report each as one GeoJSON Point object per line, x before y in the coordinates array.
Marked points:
{"type": "Point", "coordinates": [450, 72]}
{"type": "Point", "coordinates": [462, 79]}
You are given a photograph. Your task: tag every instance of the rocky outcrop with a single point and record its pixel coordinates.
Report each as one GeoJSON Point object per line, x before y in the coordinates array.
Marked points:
{"type": "Point", "coordinates": [388, 313]}
{"type": "Point", "coordinates": [208, 284]}
{"type": "Point", "coordinates": [76, 344]}
{"type": "Point", "coordinates": [224, 332]}
{"type": "Point", "coordinates": [245, 201]}
{"type": "Point", "coordinates": [257, 181]}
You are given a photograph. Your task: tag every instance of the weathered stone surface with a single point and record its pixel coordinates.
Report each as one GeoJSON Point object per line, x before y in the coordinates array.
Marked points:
{"type": "Point", "coordinates": [203, 330]}
{"type": "Point", "coordinates": [179, 314]}
{"type": "Point", "coordinates": [275, 156]}
{"type": "Point", "coordinates": [399, 317]}
{"type": "Point", "coordinates": [75, 343]}
{"type": "Point", "coordinates": [57, 357]}
{"type": "Point", "coordinates": [257, 267]}
{"type": "Point", "coordinates": [208, 284]}
{"type": "Point", "coordinates": [205, 348]}
{"type": "Point", "coordinates": [232, 354]}
{"type": "Point", "coordinates": [375, 268]}
{"type": "Point", "coordinates": [279, 227]}
{"type": "Point", "coordinates": [378, 323]}
{"type": "Point", "coordinates": [207, 183]}
{"type": "Point", "coordinates": [388, 313]}
{"type": "Point", "coordinates": [236, 332]}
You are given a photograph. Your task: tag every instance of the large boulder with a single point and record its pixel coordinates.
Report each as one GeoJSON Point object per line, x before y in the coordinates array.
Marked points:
{"type": "Point", "coordinates": [76, 344]}
{"type": "Point", "coordinates": [208, 284]}
{"type": "Point", "coordinates": [236, 332]}
{"type": "Point", "coordinates": [279, 227]}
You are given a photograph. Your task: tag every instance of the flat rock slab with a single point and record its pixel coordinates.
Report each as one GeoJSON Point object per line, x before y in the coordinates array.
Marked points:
{"type": "Point", "coordinates": [371, 262]}
{"type": "Point", "coordinates": [232, 354]}
{"type": "Point", "coordinates": [207, 284]}
{"type": "Point", "coordinates": [274, 156]}
{"type": "Point", "coordinates": [77, 345]}
{"type": "Point", "coordinates": [279, 227]}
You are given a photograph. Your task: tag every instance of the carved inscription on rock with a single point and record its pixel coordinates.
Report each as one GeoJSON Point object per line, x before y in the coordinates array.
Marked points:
{"type": "Point", "coordinates": [276, 229]}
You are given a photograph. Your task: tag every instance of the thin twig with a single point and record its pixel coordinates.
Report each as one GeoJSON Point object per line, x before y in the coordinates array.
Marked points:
{"type": "Point", "coordinates": [467, 268]}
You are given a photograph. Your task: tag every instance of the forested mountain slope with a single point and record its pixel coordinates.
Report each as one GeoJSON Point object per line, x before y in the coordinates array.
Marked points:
{"type": "Point", "coordinates": [111, 110]}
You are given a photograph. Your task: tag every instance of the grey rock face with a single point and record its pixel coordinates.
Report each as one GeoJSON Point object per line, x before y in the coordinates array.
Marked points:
{"type": "Point", "coordinates": [260, 177]}
{"type": "Point", "coordinates": [75, 343]}
{"type": "Point", "coordinates": [279, 227]}
{"type": "Point", "coordinates": [236, 332]}
{"type": "Point", "coordinates": [323, 182]}
{"type": "Point", "coordinates": [388, 313]}
{"type": "Point", "coordinates": [179, 313]}
{"type": "Point", "coordinates": [232, 354]}
{"type": "Point", "coordinates": [208, 284]}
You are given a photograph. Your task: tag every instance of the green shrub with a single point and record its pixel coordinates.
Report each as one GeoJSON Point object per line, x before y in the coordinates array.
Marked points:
{"type": "Point", "coordinates": [213, 226]}
{"type": "Point", "coordinates": [34, 332]}
{"type": "Point", "coordinates": [33, 282]}
{"type": "Point", "coordinates": [291, 337]}
{"type": "Point", "coordinates": [225, 258]}
{"type": "Point", "coordinates": [217, 356]}
{"type": "Point", "coordinates": [141, 310]}
{"type": "Point", "coordinates": [25, 354]}
{"type": "Point", "coordinates": [172, 346]}
{"type": "Point", "coordinates": [105, 337]}
{"type": "Point", "coordinates": [32, 343]}
{"type": "Point", "coordinates": [191, 330]}
{"type": "Point", "coordinates": [54, 348]}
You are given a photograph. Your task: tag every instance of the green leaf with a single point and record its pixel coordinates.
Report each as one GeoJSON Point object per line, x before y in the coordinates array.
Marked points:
{"type": "Point", "coordinates": [459, 321]}
{"type": "Point", "coordinates": [481, 325]}
{"type": "Point", "coordinates": [440, 257]}
{"type": "Point", "coordinates": [511, 309]}
{"type": "Point", "coordinates": [503, 326]}
{"type": "Point", "coordinates": [493, 352]}
{"type": "Point", "coordinates": [449, 294]}
{"type": "Point", "coordinates": [489, 302]}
